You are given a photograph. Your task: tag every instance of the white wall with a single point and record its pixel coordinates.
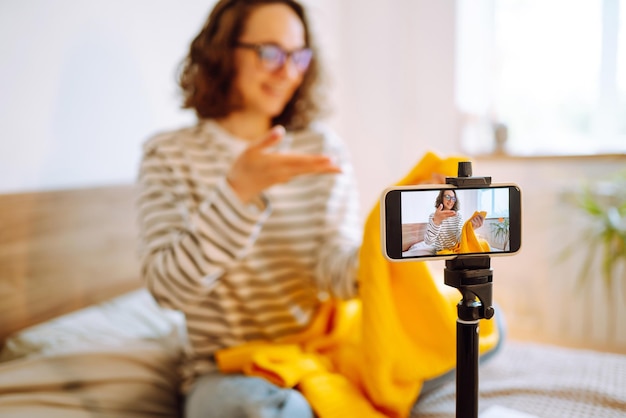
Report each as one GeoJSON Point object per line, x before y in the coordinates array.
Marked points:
{"type": "Point", "coordinates": [84, 83]}
{"type": "Point", "coordinates": [395, 83]}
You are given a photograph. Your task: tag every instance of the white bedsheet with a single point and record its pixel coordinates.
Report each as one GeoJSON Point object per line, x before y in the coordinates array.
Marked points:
{"type": "Point", "coordinates": [116, 359]}
{"type": "Point", "coordinates": [120, 359]}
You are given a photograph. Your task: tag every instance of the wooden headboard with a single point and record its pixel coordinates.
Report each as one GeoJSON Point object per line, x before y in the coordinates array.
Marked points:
{"type": "Point", "coordinates": [64, 250]}
{"type": "Point", "coordinates": [412, 233]}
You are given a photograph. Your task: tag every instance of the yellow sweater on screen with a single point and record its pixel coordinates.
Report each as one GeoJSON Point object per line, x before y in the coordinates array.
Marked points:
{"type": "Point", "coordinates": [469, 241]}
{"type": "Point", "coordinates": [368, 357]}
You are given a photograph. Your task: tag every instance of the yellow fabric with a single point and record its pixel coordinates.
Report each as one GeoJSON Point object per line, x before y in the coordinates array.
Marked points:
{"type": "Point", "coordinates": [469, 242]}
{"type": "Point", "coordinates": [368, 357]}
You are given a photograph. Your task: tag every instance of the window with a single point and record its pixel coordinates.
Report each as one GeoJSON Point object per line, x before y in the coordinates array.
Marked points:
{"type": "Point", "coordinates": [495, 202]}
{"type": "Point", "coordinates": [538, 77]}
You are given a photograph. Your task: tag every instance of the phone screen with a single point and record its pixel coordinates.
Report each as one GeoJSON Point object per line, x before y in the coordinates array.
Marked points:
{"type": "Point", "coordinates": [444, 221]}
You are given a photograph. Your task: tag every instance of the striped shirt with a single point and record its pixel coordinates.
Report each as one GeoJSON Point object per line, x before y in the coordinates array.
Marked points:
{"type": "Point", "coordinates": [446, 235]}
{"type": "Point", "coordinates": [243, 272]}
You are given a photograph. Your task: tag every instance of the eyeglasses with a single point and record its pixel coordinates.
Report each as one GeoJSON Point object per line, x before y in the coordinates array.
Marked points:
{"type": "Point", "coordinates": [448, 197]}
{"type": "Point", "coordinates": [274, 57]}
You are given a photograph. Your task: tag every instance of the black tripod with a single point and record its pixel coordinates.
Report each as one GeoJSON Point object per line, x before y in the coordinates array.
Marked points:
{"type": "Point", "coordinates": [473, 277]}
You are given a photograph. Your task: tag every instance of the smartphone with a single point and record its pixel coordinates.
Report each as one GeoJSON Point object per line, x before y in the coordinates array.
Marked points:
{"type": "Point", "coordinates": [412, 229]}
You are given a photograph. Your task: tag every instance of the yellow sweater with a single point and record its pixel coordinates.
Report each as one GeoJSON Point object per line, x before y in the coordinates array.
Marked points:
{"type": "Point", "coordinates": [368, 357]}
{"type": "Point", "coordinates": [469, 242]}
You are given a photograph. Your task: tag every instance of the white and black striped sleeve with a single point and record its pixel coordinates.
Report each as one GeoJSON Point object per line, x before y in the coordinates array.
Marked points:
{"type": "Point", "coordinates": [445, 235]}
{"type": "Point", "coordinates": [342, 230]}
{"type": "Point", "coordinates": [185, 251]}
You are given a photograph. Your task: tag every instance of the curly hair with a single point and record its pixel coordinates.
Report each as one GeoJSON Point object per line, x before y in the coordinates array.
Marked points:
{"type": "Point", "coordinates": [439, 200]}
{"type": "Point", "coordinates": [207, 73]}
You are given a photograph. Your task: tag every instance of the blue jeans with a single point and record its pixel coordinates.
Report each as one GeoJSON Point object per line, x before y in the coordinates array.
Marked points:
{"type": "Point", "coordinates": [217, 395]}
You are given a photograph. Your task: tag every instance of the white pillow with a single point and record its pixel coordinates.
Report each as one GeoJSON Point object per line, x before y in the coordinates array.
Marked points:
{"type": "Point", "coordinates": [133, 316]}
{"type": "Point", "coordinates": [116, 359]}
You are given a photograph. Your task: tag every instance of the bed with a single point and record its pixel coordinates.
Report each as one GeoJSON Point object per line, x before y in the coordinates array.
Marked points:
{"type": "Point", "coordinates": [81, 337]}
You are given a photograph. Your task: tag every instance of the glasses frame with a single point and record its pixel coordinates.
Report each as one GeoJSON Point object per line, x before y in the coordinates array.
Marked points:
{"type": "Point", "coordinates": [283, 55]}
{"type": "Point", "coordinates": [448, 197]}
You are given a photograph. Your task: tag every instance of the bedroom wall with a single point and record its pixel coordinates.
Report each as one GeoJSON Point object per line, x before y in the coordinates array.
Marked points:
{"type": "Point", "coordinates": [84, 83]}
{"type": "Point", "coordinates": [82, 89]}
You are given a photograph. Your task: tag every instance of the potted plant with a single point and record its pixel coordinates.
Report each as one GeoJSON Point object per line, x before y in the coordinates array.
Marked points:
{"type": "Point", "coordinates": [604, 205]}
{"type": "Point", "coordinates": [599, 250]}
{"type": "Point", "coordinates": [500, 231]}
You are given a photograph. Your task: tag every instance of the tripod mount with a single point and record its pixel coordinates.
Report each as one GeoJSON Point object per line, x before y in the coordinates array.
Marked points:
{"type": "Point", "coordinates": [473, 277]}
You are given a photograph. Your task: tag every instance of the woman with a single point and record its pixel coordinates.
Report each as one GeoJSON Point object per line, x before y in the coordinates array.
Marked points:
{"type": "Point", "coordinates": [445, 224]}
{"type": "Point", "coordinates": [444, 227]}
{"type": "Point", "coordinates": [249, 217]}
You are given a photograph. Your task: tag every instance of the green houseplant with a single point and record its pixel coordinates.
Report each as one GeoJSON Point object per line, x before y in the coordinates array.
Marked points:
{"type": "Point", "coordinates": [604, 205]}
{"type": "Point", "coordinates": [500, 231]}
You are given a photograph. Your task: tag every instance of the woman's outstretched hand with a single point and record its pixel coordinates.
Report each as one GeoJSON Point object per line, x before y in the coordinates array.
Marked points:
{"type": "Point", "coordinates": [258, 167]}
{"type": "Point", "coordinates": [441, 214]}
{"type": "Point", "coordinates": [477, 221]}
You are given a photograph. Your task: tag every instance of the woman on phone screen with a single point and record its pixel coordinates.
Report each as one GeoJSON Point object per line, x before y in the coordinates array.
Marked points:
{"type": "Point", "coordinates": [444, 227]}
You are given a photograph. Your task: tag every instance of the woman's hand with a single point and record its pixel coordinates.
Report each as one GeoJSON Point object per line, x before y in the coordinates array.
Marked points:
{"type": "Point", "coordinates": [257, 168]}
{"type": "Point", "coordinates": [441, 214]}
{"type": "Point", "coordinates": [477, 221]}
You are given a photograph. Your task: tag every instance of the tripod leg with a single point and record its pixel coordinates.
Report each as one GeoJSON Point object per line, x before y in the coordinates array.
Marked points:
{"type": "Point", "coordinates": [466, 369]}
